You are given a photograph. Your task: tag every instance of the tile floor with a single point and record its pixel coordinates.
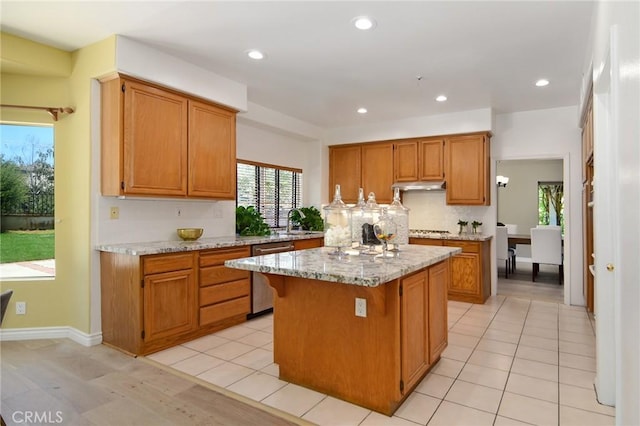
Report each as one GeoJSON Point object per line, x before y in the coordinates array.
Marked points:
{"type": "Point", "coordinates": [510, 361]}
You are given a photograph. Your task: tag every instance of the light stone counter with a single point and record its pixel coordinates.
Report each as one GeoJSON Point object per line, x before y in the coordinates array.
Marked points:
{"type": "Point", "coordinates": [157, 247]}
{"type": "Point", "coordinates": [450, 236]}
{"type": "Point", "coordinates": [362, 270]}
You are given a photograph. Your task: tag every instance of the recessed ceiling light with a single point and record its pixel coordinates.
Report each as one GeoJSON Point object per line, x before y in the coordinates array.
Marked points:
{"type": "Point", "coordinates": [364, 22]}
{"type": "Point", "coordinates": [362, 110]}
{"type": "Point", "coordinates": [441, 98]}
{"type": "Point", "coordinates": [255, 54]}
{"type": "Point", "coordinates": [542, 82]}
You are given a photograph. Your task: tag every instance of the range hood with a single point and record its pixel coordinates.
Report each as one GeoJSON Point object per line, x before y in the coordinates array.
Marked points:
{"type": "Point", "coordinates": [421, 186]}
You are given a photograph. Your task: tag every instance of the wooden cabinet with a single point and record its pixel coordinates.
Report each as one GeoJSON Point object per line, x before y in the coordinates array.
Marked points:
{"type": "Point", "coordinates": [470, 271]}
{"type": "Point", "coordinates": [169, 297]}
{"type": "Point", "coordinates": [224, 293]}
{"type": "Point", "coordinates": [157, 142]}
{"type": "Point", "coordinates": [467, 169]}
{"type": "Point", "coordinates": [418, 160]}
{"type": "Point", "coordinates": [345, 169]}
{"type": "Point", "coordinates": [470, 274]}
{"type": "Point", "coordinates": [307, 244]}
{"type": "Point", "coordinates": [424, 310]}
{"type": "Point", "coordinates": [415, 334]}
{"type": "Point", "coordinates": [153, 302]}
{"type": "Point", "coordinates": [438, 322]}
{"type": "Point", "coordinates": [587, 204]}
{"type": "Point", "coordinates": [368, 166]}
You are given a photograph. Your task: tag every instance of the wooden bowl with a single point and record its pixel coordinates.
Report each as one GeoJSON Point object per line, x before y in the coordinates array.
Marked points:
{"type": "Point", "coordinates": [190, 234]}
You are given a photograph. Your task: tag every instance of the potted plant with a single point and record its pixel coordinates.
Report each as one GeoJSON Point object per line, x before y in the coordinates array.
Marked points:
{"type": "Point", "coordinates": [312, 220]}
{"type": "Point", "coordinates": [474, 225]}
{"type": "Point", "coordinates": [249, 221]}
{"type": "Point", "coordinates": [462, 226]}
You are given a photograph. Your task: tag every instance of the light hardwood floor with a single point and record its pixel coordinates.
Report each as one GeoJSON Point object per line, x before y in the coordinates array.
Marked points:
{"type": "Point", "coordinates": [73, 385]}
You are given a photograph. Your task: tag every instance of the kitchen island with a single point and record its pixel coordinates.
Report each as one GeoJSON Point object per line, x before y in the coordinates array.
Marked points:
{"type": "Point", "coordinates": [365, 329]}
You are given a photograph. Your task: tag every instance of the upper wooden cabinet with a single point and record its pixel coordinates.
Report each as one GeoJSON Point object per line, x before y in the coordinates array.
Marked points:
{"type": "Point", "coordinates": [368, 166]}
{"type": "Point", "coordinates": [157, 142]}
{"type": "Point", "coordinates": [467, 169]}
{"type": "Point", "coordinates": [417, 160]}
{"type": "Point", "coordinates": [345, 170]}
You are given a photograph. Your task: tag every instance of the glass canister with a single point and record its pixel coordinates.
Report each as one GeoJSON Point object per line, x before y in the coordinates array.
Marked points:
{"type": "Point", "coordinates": [400, 215]}
{"type": "Point", "coordinates": [337, 224]}
{"type": "Point", "coordinates": [371, 214]}
{"type": "Point", "coordinates": [386, 230]}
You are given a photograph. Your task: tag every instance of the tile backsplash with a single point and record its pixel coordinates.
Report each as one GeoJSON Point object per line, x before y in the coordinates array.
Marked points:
{"type": "Point", "coordinates": [429, 210]}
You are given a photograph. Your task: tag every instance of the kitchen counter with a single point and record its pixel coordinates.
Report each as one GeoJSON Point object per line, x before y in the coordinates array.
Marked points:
{"type": "Point", "coordinates": [361, 329]}
{"type": "Point", "coordinates": [450, 236]}
{"type": "Point", "coordinates": [363, 270]}
{"type": "Point", "coordinates": [158, 247]}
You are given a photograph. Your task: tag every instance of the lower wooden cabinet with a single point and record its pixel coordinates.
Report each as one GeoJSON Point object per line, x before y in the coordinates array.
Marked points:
{"type": "Point", "coordinates": [424, 315]}
{"type": "Point", "coordinates": [307, 244]}
{"type": "Point", "coordinates": [470, 279]}
{"type": "Point", "coordinates": [153, 302]}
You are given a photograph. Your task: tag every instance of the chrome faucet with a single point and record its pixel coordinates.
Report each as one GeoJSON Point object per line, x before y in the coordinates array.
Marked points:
{"type": "Point", "coordinates": [289, 218]}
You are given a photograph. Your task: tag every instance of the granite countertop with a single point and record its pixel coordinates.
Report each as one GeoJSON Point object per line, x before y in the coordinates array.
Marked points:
{"type": "Point", "coordinates": [362, 270]}
{"type": "Point", "coordinates": [157, 247]}
{"type": "Point", "coordinates": [450, 236]}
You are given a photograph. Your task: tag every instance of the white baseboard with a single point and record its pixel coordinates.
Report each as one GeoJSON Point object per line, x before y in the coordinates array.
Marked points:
{"type": "Point", "coordinates": [39, 333]}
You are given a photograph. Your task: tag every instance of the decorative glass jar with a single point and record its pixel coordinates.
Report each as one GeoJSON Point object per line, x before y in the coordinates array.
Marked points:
{"type": "Point", "coordinates": [371, 214]}
{"type": "Point", "coordinates": [400, 215]}
{"type": "Point", "coordinates": [358, 219]}
{"type": "Point", "coordinates": [337, 224]}
{"type": "Point", "coordinates": [385, 229]}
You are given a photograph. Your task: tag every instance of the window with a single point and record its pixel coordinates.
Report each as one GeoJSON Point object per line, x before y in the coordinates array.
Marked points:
{"type": "Point", "coordinates": [27, 201]}
{"type": "Point", "coordinates": [551, 203]}
{"type": "Point", "coordinates": [272, 190]}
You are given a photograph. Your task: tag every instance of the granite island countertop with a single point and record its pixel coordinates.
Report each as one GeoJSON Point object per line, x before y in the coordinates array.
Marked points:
{"type": "Point", "coordinates": [362, 270]}
{"type": "Point", "coordinates": [158, 247]}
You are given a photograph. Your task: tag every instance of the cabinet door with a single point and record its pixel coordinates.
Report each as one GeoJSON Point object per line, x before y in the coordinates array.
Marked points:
{"type": "Point", "coordinates": [405, 161]}
{"type": "Point", "coordinates": [170, 306]}
{"type": "Point", "coordinates": [345, 170]}
{"type": "Point", "coordinates": [212, 151]}
{"type": "Point", "coordinates": [467, 170]}
{"type": "Point", "coordinates": [155, 141]}
{"type": "Point", "coordinates": [465, 275]}
{"type": "Point", "coordinates": [438, 329]}
{"type": "Point", "coordinates": [377, 171]}
{"type": "Point", "coordinates": [414, 328]}
{"type": "Point", "coordinates": [431, 159]}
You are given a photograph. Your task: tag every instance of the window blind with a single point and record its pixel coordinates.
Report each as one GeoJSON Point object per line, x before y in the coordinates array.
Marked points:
{"type": "Point", "coordinates": [272, 190]}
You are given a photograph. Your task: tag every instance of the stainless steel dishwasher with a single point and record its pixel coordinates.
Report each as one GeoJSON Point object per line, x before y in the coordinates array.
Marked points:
{"type": "Point", "coordinates": [261, 293]}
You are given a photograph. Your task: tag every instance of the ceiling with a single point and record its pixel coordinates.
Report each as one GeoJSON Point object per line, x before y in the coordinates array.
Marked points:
{"type": "Point", "coordinates": [319, 68]}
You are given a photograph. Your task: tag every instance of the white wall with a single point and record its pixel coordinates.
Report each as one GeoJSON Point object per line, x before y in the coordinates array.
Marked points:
{"type": "Point", "coordinates": [258, 143]}
{"type": "Point", "coordinates": [615, 36]}
{"type": "Point", "coordinates": [550, 134]}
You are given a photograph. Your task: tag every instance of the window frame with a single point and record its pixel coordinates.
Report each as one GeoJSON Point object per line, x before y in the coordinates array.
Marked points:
{"type": "Point", "coordinates": [280, 212]}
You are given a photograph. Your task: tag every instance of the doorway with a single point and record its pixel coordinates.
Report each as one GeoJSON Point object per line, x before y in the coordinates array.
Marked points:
{"type": "Point", "coordinates": [520, 207]}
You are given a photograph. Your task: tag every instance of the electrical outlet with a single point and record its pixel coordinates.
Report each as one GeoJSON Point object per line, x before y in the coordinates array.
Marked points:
{"type": "Point", "coordinates": [178, 212]}
{"type": "Point", "coordinates": [114, 213]}
{"type": "Point", "coordinates": [361, 307]}
{"type": "Point", "coordinates": [21, 308]}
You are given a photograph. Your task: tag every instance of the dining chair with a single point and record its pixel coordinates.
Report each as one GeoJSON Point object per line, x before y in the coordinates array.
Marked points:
{"type": "Point", "coordinates": [503, 252]}
{"type": "Point", "coordinates": [546, 248]}
{"type": "Point", "coordinates": [512, 228]}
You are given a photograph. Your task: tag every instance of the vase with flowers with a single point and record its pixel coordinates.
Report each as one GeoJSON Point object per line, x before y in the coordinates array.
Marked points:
{"type": "Point", "coordinates": [475, 225]}
{"type": "Point", "coordinates": [462, 224]}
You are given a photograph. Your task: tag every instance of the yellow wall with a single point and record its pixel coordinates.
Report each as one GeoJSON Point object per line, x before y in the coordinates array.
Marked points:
{"type": "Point", "coordinates": [63, 301]}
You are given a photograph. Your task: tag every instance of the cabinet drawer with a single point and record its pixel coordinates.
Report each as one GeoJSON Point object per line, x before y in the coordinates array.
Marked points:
{"type": "Point", "coordinates": [224, 310]}
{"type": "Point", "coordinates": [217, 257]}
{"type": "Point", "coordinates": [425, 241]}
{"type": "Point", "coordinates": [221, 292]}
{"type": "Point", "coordinates": [467, 246]}
{"type": "Point", "coordinates": [307, 244]}
{"type": "Point", "coordinates": [220, 274]}
{"type": "Point", "coordinates": [166, 263]}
